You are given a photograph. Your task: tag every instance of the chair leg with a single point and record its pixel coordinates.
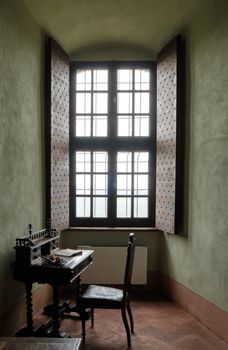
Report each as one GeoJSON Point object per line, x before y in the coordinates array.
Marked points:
{"type": "Point", "coordinates": [124, 317]}
{"type": "Point", "coordinates": [92, 317]}
{"type": "Point", "coordinates": [130, 316]}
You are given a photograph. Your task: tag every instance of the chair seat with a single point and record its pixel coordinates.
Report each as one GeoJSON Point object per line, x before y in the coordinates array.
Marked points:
{"type": "Point", "coordinates": [100, 296]}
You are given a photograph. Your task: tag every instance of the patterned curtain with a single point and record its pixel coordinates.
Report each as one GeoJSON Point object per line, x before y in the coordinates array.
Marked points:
{"type": "Point", "coordinates": [57, 136]}
{"type": "Point", "coordinates": [170, 140]}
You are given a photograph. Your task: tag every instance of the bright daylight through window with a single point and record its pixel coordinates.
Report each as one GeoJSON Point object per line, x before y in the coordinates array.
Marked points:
{"type": "Point", "coordinates": [112, 144]}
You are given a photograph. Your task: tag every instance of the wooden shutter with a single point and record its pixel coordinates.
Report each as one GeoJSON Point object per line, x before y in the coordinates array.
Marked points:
{"type": "Point", "coordinates": [170, 142]}
{"type": "Point", "coordinates": [57, 136]}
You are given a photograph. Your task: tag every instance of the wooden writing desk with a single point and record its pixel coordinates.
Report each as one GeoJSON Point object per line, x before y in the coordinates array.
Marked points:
{"type": "Point", "coordinates": [55, 275]}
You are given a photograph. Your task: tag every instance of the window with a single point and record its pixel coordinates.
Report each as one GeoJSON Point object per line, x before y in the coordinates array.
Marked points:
{"type": "Point", "coordinates": [112, 144]}
{"type": "Point", "coordinates": [118, 132]}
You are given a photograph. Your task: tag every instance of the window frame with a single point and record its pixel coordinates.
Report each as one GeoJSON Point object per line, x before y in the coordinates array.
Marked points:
{"type": "Point", "coordinates": [108, 143]}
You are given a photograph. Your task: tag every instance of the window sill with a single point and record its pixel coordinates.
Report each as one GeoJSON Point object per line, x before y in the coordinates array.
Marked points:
{"type": "Point", "coordinates": [112, 229]}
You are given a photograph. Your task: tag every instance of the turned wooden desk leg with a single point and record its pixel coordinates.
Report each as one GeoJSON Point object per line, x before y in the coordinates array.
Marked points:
{"type": "Point", "coordinates": [28, 330]}
{"type": "Point", "coordinates": [78, 288]}
{"type": "Point", "coordinates": [29, 311]}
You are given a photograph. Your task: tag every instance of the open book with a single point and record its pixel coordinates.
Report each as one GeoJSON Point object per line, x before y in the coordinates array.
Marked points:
{"type": "Point", "coordinates": [68, 252]}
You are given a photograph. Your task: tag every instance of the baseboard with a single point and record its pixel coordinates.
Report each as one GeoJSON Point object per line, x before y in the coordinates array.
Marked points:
{"type": "Point", "coordinates": [15, 318]}
{"type": "Point", "coordinates": [207, 313]}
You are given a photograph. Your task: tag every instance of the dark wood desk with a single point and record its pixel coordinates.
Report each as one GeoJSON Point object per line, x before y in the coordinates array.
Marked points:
{"type": "Point", "coordinates": [57, 275]}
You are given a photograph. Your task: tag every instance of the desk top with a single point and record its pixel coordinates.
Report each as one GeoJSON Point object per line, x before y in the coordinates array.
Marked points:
{"type": "Point", "coordinates": [58, 274]}
{"type": "Point", "coordinates": [14, 343]}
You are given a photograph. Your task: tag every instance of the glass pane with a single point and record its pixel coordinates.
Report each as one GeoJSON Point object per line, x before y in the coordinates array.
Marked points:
{"type": "Point", "coordinates": [83, 125]}
{"type": "Point", "coordinates": [100, 184]}
{"type": "Point", "coordinates": [83, 79]}
{"type": "Point", "coordinates": [100, 102]}
{"type": "Point", "coordinates": [83, 184]}
{"type": "Point", "coordinates": [100, 162]}
{"type": "Point", "coordinates": [124, 79]}
{"type": "Point", "coordinates": [142, 79]}
{"type": "Point", "coordinates": [124, 102]}
{"type": "Point", "coordinates": [82, 207]}
{"type": "Point", "coordinates": [124, 125]}
{"type": "Point", "coordinates": [141, 207]}
{"type": "Point", "coordinates": [124, 162]}
{"type": "Point", "coordinates": [83, 163]}
{"type": "Point", "coordinates": [100, 79]}
{"type": "Point", "coordinates": [141, 162]}
{"type": "Point", "coordinates": [142, 104]}
{"type": "Point", "coordinates": [141, 184]}
{"type": "Point", "coordinates": [123, 207]}
{"type": "Point", "coordinates": [100, 125]}
{"type": "Point", "coordinates": [141, 125]}
{"type": "Point", "coordinates": [124, 184]}
{"type": "Point", "coordinates": [83, 102]}
{"type": "Point", "coordinates": [99, 207]}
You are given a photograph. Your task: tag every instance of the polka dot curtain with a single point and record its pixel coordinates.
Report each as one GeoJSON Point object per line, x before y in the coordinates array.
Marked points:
{"type": "Point", "coordinates": [59, 137]}
{"type": "Point", "coordinates": [167, 124]}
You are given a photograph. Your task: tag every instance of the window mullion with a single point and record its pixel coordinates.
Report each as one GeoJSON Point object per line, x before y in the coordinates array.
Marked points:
{"type": "Point", "coordinates": [92, 104]}
{"type": "Point", "coordinates": [132, 184]}
{"type": "Point", "coordinates": [133, 102]}
{"type": "Point", "coordinates": [92, 185]}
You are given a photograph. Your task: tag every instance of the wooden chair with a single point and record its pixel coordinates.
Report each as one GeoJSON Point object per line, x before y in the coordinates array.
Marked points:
{"type": "Point", "coordinates": [100, 297]}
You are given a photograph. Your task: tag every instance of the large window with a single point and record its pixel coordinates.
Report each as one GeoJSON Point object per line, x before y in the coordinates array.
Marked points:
{"type": "Point", "coordinates": [112, 144]}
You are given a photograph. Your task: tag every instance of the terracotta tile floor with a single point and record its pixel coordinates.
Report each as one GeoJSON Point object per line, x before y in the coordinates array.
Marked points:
{"type": "Point", "coordinates": [159, 324]}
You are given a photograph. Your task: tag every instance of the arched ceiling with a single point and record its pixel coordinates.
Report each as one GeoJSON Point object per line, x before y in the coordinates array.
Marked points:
{"type": "Point", "coordinates": [89, 25]}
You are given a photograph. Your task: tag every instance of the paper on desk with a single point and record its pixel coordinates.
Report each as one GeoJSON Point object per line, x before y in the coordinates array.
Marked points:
{"type": "Point", "coordinates": [68, 252]}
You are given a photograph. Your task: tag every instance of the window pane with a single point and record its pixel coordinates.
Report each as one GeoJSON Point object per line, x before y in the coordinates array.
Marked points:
{"type": "Point", "coordinates": [124, 125]}
{"type": "Point", "coordinates": [83, 125]}
{"type": "Point", "coordinates": [141, 162]}
{"type": "Point", "coordinates": [124, 162]}
{"type": "Point", "coordinates": [124, 79]}
{"type": "Point", "coordinates": [124, 184]}
{"type": "Point", "coordinates": [100, 103]}
{"type": "Point", "coordinates": [83, 79]}
{"type": "Point", "coordinates": [100, 184]}
{"type": "Point", "coordinates": [142, 79]}
{"type": "Point", "coordinates": [124, 102]}
{"type": "Point", "coordinates": [123, 207]}
{"type": "Point", "coordinates": [140, 184]}
{"type": "Point", "coordinates": [141, 207]}
{"type": "Point", "coordinates": [99, 207]}
{"type": "Point", "coordinates": [100, 79]}
{"type": "Point", "coordinates": [83, 102]}
{"type": "Point", "coordinates": [100, 162]}
{"type": "Point", "coordinates": [141, 125]}
{"type": "Point", "coordinates": [142, 104]}
{"type": "Point", "coordinates": [82, 207]}
{"type": "Point", "coordinates": [100, 125]}
{"type": "Point", "coordinates": [83, 163]}
{"type": "Point", "coordinates": [83, 185]}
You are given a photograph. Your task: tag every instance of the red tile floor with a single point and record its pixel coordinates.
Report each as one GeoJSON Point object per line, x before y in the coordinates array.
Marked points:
{"type": "Point", "coordinates": [159, 325]}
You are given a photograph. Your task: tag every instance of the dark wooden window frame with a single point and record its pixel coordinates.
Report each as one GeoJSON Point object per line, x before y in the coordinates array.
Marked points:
{"type": "Point", "coordinates": [112, 144]}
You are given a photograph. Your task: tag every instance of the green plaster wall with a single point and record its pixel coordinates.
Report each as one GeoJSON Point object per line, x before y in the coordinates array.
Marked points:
{"type": "Point", "coordinates": [199, 259]}
{"type": "Point", "coordinates": [21, 137]}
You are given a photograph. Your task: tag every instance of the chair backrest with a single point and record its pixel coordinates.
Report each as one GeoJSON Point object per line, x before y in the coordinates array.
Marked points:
{"type": "Point", "coordinates": [129, 261]}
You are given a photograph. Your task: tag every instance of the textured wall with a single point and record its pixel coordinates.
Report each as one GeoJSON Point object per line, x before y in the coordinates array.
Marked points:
{"type": "Point", "coordinates": [21, 159]}
{"type": "Point", "coordinates": [199, 260]}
